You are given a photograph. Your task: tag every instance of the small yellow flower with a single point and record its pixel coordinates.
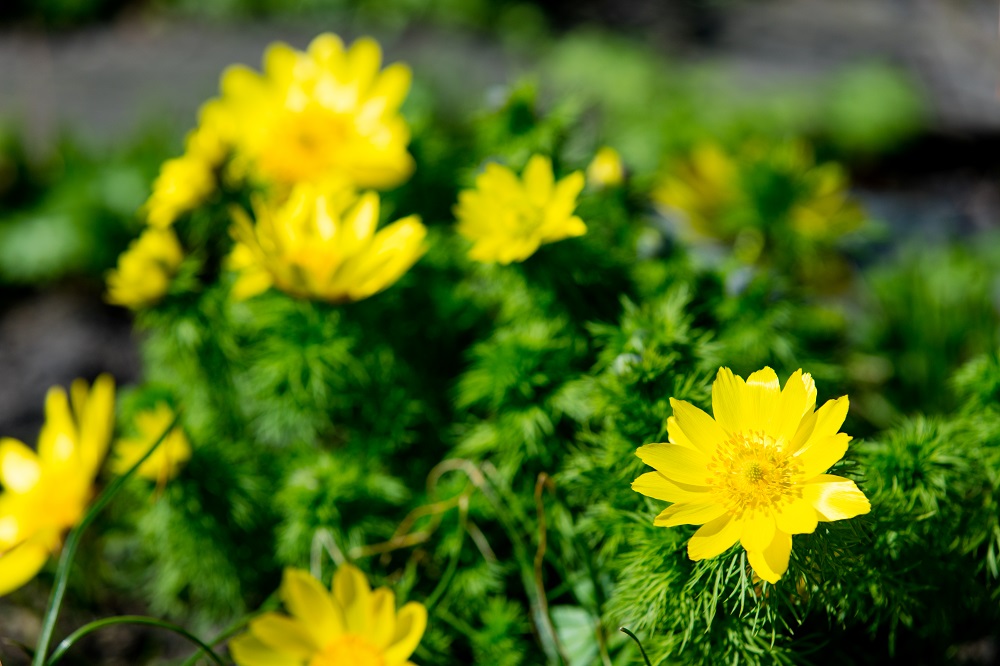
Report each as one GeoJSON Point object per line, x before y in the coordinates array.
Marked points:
{"type": "Point", "coordinates": [145, 269]}
{"type": "Point", "coordinates": [354, 626]}
{"type": "Point", "coordinates": [323, 246]}
{"type": "Point", "coordinates": [46, 493]}
{"type": "Point", "coordinates": [701, 190]}
{"type": "Point", "coordinates": [326, 114]}
{"type": "Point", "coordinates": [184, 183]}
{"type": "Point", "coordinates": [606, 169]}
{"type": "Point", "coordinates": [166, 461]}
{"type": "Point", "coordinates": [508, 218]}
{"type": "Point", "coordinates": [756, 472]}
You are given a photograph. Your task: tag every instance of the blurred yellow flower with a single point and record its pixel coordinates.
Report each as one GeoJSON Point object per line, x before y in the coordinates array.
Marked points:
{"type": "Point", "coordinates": [326, 114]}
{"type": "Point", "coordinates": [145, 269]}
{"type": "Point", "coordinates": [701, 190]}
{"type": "Point", "coordinates": [606, 169]}
{"type": "Point", "coordinates": [166, 461]}
{"type": "Point", "coordinates": [45, 493]}
{"type": "Point", "coordinates": [184, 183]}
{"type": "Point", "coordinates": [323, 246]}
{"type": "Point", "coordinates": [354, 626]}
{"type": "Point", "coordinates": [754, 473]}
{"type": "Point", "coordinates": [508, 218]}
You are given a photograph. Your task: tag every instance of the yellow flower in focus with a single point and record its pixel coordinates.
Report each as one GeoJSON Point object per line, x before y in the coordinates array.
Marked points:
{"type": "Point", "coordinates": [168, 458]}
{"type": "Point", "coordinates": [756, 472]}
{"type": "Point", "coordinates": [606, 169]}
{"type": "Point", "coordinates": [701, 190]}
{"type": "Point", "coordinates": [45, 493]}
{"type": "Point", "coordinates": [145, 269]}
{"type": "Point", "coordinates": [184, 182]}
{"type": "Point", "coordinates": [323, 246]}
{"type": "Point", "coordinates": [328, 114]}
{"type": "Point", "coordinates": [354, 626]}
{"type": "Point", "coordinates": [508, 218]}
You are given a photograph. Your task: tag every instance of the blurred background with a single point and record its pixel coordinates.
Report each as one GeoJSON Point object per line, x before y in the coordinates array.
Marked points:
{"type": "Point", "coordinates": [95, 94]}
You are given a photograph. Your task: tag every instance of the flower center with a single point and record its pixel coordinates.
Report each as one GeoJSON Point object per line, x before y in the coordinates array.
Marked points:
{"type": "Point", "coordinates": [349, 651]}
{"type": "Point", "coordinates": [305, 145]}
{"type": "Point", "coordinates": [750, 472]}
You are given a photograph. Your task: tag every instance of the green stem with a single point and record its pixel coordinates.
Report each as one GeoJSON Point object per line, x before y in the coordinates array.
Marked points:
{"type": "Point", "coordinates": [269, 604]}
{"type": "Point", "coordinates": [449, 573]}
{"type": "Point", "coordinates": [73, 542]}
{"type": "Point", "coordinates": [70, 640]}
{"type": "Point", "coordinates": [628, 632]}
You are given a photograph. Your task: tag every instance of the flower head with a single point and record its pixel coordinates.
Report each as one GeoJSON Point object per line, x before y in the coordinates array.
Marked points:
{"type": "Point", "coordinates": [184, 183]}
{"type": "Point", "coordinates": [166, 461]}
{"type": "Point", "coordinates": [507, 218]}
{"type": "Point", "coordinates": [354, 625]}
{"type": "Point", "coordinates": [322, 245]}
{"type": "Point", "coordinates": [606, 169]}
{"type": "Point", "coordinates": [45, 493]}
{"type": "Point", "coordinates": [145, 269]}
{"type": "Point", "coordinates": [328, 113]}
{"type": "Point", "coordinates": [756, 472]}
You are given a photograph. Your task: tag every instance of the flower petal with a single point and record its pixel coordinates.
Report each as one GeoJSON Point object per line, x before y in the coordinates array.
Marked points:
{"type": "Point", "coordinates": [383, 614]}
{"type": "Point", "coordinates": [411, 621]}
{"type": "Point", "coordinates": [308, 601]}
{"type": "Point", "coordinates": [248, 650]}
{"type": "Point", "coordinates": [792, 406]}
{"type": "Point", "coordinates": [677, 463]}
{"type": "Point", "coordinates": [835, 498]}
{"type": "Point", "coordinates": [692, 427]}
{"type": "Point", "coordinates": [657, 486]}
{"type": "Point", "coordinates": [797, 517]}
{"type": "Point", "coordinates": [689, 513]}
{"type": "Point", "coordinates": [772, 562]}
{"type": "Point", "coordinates": [353, 594]}
{"type": "Point", "coordinates": [538, 180]}
{"type": "Point", "coordinates": [285, 634]}
{"type": "Point", "coordinates": [20, 565]}
{"type": "Point", "coordinates": [758, 530]}
{"type": "Point", "coordinates": [762, 398]}
{"type": "Point", "coordinates": [19, 466]}
{"type": "Point", "coordinates": [714, 538]}
{"type": "Point", "coordinates": [728, 401]}
{"type": "Point", "coordinates": [819, 455]}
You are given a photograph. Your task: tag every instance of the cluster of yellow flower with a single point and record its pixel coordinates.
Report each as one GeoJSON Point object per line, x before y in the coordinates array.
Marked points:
{"type": "Point", "coordinates": [312, 131]}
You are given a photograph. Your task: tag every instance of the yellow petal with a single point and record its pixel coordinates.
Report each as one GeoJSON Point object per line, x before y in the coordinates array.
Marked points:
{"type": "Point", "coordinates": [57, 441]}
{"type": "Point", "coordinates": [359, 225]}
{"type": "Point", "coordinates": [792, 406]}
{"type": "Point", "coordinates": [677, 463]}
{"type": "Point", "coordinates": [689, 513]}
{"type": "Point", "coordinates": [363, 61]}
{"type": "Point", "coordinates": [728, 401]}
{"type": "Point", "coordinates": [353, 594]}
{"type": "Point", "coordinates": [284, 634]}
{"type": "Point", "coordinates": [758, 530]}
{"type": "Point", "coordinates": [20, 565]}
{"type": "Point", "coordinates": [819, 455]}
{"type": "Point", "coordinates": [829, 418]}
{"type": "Point", "coordinates": [392, 252]}
{"type": "Point", "coordinates": [714, 538]}
{"type": "Point", "coordinates": [247, 650]}
{"type": "Point", "coordinates": [835, 498]}
{"type": "Point", "coordinates": [796, 517]}
{"type": "Point", "coordinates": [308, 601]}
{"type": "Point", "coordinates": [97, 420]}
{"type": "Point", "coordinates": [657, 486]}
{"type": "Point", "coordinates": [19, 468]}
{"type": "Point", "coordinates": [411, 621]}
{"type": "Point", "coordinates": [772, 562]}
{"type": "Point", "coordinates": [538, 180]}
{"type": "Point", "coordinates": [383, 614]}
{"type": "Point", "coordinates": [693, 427]}
{"type": "Point", "coordinates": [391, 87]}
{"type": "Point", "coordinates": [761, 400]}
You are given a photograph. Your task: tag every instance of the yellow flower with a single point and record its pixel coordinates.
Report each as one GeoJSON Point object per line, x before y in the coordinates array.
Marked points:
{"type": "Point", "coordinates": [354, 626]}
{"type": "Point", "coordinates": [145, 269]}
{"type": "Point", "coordinates": [184, 183]}
{"type": "Point", "coordinates": [320, 115]}
{"type": "Point", "coordinates": [606, 169]}
{"type": "Point", "coordinates": [507, 218]}
{"type": "Point", "coordinates": [701, 190]}
{"type": "Point", "coordinates": [754, 473]}
{"type": "Point", "coordinates": [166, 461]}
{"type": "Point", "coordinates": [323, 246]}
{"type": "Point", "coordinates": [46, 493]}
